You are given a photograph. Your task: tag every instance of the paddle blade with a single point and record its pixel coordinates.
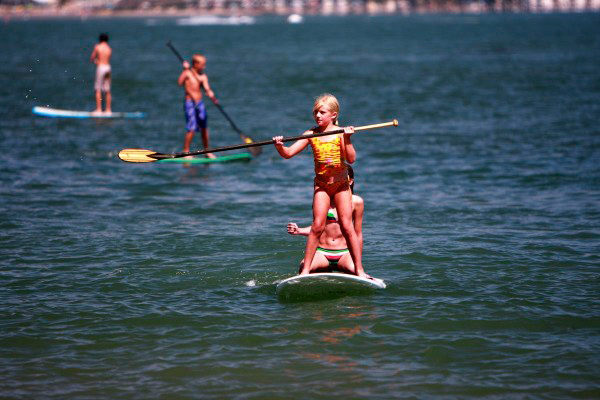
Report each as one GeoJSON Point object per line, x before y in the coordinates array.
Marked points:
{"type": "Point", "coordinates": [138, 155]}
{"type": "Point", "coordinates": [255, 151]}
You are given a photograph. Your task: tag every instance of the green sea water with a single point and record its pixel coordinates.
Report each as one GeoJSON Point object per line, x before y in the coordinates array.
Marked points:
{"type": "Point", "coordinates": [482, 212]}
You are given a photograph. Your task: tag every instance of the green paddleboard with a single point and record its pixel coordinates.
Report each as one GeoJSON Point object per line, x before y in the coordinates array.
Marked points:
{"type": "Point", "coordinates": [204, 160]}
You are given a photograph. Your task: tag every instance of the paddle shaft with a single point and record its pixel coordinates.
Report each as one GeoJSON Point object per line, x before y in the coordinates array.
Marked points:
{"type": "Point", "coordinates": [233, 125]}
{"type": "Point", "coordinates": [170, 45]}
{"type": "Point", "coordinates": [160, 156]}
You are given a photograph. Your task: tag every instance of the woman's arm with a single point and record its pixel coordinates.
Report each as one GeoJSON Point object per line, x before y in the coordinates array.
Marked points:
{"type": "Point", "coordinates": [294, 229]}
{"type": "Point", "coordinates": [359, 210]}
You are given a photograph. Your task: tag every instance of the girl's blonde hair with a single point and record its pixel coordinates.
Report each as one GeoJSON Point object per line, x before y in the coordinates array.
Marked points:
{"type": "Point", "coordinates": [330, 102]}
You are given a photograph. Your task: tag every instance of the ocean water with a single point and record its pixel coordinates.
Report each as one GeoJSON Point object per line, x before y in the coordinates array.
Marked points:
{"type": "Point", "coordinates": [158, 280]}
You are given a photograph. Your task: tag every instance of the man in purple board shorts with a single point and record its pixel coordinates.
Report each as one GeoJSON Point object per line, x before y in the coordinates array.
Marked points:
{"type": "Point", "coordinates": [194, 80]}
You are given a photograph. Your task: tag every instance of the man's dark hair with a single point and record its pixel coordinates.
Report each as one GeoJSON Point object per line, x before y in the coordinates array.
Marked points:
{"type": "Point", "coordinates": [103, 37]}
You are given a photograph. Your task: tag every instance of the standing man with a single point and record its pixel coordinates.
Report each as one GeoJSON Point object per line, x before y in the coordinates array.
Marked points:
{"type": "Point", "coordinates": [194, 80]}
{"type": "Point", "coordinates": [101, 57]}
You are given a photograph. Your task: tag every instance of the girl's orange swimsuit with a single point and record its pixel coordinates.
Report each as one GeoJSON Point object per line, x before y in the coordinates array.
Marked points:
{"type": "Point", "coordinates": [330, 168]}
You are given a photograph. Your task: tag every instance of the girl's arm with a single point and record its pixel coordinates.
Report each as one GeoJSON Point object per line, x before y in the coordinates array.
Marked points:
{"type": "Point", "coordinates": [294, 229]}
{"type": "Point", "coordinates": [347, 147]}
{"type": "Point", "coordinates": [289, 152]}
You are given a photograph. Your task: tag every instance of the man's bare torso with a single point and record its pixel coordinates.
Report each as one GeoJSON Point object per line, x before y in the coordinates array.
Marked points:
{"type": "Point", "coordinates": [193, 85]}
{"type": "Point", "coordinates": [102, 53]}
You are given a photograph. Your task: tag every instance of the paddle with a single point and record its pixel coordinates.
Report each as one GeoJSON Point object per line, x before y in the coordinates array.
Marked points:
{"type": "Point", "coordinates": [141, 155]}
{"type": "Point", "coordinates": [247, 139]}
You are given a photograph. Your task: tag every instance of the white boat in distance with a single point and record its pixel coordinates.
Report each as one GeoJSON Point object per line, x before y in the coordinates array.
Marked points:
{"type": "Point", "coordinates": [217, 20]}
{"type": "Point", "coordinates": [295, 19]}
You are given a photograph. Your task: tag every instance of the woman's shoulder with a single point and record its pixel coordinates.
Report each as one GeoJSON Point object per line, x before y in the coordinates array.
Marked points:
{"type": "Point", "coordinates": [357, 201]}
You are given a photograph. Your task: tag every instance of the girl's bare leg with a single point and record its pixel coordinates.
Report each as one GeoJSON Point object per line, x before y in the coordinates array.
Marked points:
{"type": "Point", "coordinates": [321, 203]}
{"type": "Point", "coordinates": [319, 264]}
{"type": "Point", "coordinates": [343, 204]}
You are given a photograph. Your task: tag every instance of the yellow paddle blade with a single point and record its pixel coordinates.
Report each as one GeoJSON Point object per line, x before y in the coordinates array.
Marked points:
{"type": "Point", "coordinates": [137, 155]}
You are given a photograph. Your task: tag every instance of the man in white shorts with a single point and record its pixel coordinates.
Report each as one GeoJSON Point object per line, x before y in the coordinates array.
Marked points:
{"type": "Point", "coordinates": [101, 57]}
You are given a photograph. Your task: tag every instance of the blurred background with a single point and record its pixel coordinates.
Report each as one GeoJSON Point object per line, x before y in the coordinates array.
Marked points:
{"type": "Point", "coordinates": [254, 7]}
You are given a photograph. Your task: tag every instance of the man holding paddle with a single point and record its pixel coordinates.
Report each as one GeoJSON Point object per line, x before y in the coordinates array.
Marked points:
{"type": "Point", "coordinates": [194, 80]}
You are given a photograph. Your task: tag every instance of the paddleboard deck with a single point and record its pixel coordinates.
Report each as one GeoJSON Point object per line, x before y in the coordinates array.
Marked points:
{"type": "Point", "coordinates": [203, 160]}
{"type": "Point", "coordinates": [56, 113]}
{"type": "Point", "coordinates": [325, 285]}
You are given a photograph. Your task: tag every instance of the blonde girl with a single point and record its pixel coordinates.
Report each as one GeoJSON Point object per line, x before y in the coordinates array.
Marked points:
{"type": "Point", "coordinates": [331, 189]}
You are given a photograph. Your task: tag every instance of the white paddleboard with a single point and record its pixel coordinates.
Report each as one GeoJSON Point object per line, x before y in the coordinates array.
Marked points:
{"type": "Point", "coordinates": [56, 113]}
{"type": "Point", "coordinates": [325, 285]}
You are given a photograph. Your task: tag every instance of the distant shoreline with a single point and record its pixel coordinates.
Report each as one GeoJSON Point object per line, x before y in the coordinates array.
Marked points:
{"type": "Point", "coordinates": [24, 13]}
{"type": "Point", "coordinates": [42, 14]}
